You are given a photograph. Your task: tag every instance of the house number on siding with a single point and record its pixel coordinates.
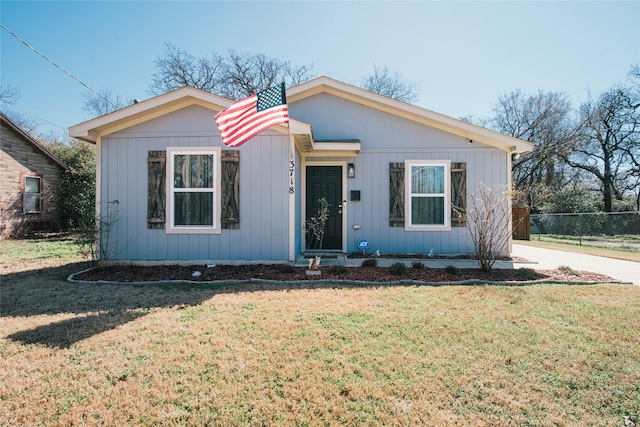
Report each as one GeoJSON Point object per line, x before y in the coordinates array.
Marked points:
{"type": "Point", "coordinates": [292, 167]}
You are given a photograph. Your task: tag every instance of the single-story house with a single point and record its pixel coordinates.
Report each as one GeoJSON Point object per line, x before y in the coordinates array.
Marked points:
{"type": "Point", "coordinates": [29, 178]}
{"type": "Point", "coordinates": [390, 171]}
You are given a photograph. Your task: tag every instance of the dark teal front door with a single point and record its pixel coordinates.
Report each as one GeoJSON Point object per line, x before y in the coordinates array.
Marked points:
{"type": "Point", "coordinates": [326, 181]}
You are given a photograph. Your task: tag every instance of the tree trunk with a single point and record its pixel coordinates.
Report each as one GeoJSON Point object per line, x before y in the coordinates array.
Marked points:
{"type": "Point", "coordinates": [607, 193]}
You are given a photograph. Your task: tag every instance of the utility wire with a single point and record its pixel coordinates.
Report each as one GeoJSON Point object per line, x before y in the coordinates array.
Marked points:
{"type": "Point", "coordinates": [56, 65]}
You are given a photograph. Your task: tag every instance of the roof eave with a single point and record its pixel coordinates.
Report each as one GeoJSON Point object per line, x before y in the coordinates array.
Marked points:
{"type": "Point", "coordinates": [32, 140]}
{"type": "Point", "coordinates": [408, 111]}
{"type": "Point", "coordinates": [147, 110]}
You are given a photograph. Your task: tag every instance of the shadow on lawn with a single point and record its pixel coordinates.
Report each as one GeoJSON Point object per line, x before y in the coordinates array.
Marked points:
{"type": "Point", "coordinates": [102, 307]}
{"type": "Point", "coordinates": [97, 308]}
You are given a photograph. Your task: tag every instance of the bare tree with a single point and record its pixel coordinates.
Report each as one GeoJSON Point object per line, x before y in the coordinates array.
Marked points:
{"type": "Point", "coordinates": [545, 120]}
{"type": "Point", "coordinates": [178, 68]}
{"type": "Point", "coordinates": [102, 103]}
{"type": "Point", "coordinates": [235, 76]}
{"type": "Point", "coordinates": [8, 94]}
{"type": "Point", "coordinates": [246, 74]}
{"type": "Point", "coordinates": [26, 123]}
{"type": "Point", "coordinates": [385, 82]}
{"type": "Point", "coordinates": [488, 219]}
{"type": "Point", "coordinates": [608, 148]}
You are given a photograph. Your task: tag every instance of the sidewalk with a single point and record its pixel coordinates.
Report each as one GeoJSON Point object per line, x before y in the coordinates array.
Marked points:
{"type": "Point", "coordinates": [546, 259]}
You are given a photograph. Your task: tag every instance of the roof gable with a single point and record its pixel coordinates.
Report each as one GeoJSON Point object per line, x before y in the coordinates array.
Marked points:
{"type": "Point", "coordinates": [159, 106]}
{"type": "Point", "coordinates": [147, 110]}
{"type": "Point", "coordinates": [6, 121]}
{"type": "Point", "coordinates": [407, 111]}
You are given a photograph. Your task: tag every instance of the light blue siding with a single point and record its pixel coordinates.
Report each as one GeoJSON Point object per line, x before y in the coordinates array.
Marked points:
{"type": "Point", "coordinates": [371, 213]}
{"type": "Point", "coordinates": [386, 139]}
{"type": "Point", "coordinates": [263, 233]}
{"type": "Point", "coordinates": [264, 182]}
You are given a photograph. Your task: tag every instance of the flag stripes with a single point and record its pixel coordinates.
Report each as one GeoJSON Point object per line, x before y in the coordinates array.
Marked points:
{"type": "Point", "coordinates": [245, 119]}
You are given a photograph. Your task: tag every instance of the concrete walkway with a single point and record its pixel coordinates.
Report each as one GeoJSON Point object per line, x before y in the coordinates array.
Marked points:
{"type": "Point", "coordinates": [546, 259]}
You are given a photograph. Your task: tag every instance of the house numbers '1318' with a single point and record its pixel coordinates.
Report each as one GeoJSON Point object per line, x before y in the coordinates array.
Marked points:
{"type": "Point", "coordinates": [292, 167]}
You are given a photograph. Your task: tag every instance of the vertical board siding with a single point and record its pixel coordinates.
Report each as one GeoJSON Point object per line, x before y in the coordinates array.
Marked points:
{"type": "Point", "coordinates": [264, 199]}
{"type": "Point", "coordinates": [486, 166]}
{"type": "Point", "coordinates": [263, 177]}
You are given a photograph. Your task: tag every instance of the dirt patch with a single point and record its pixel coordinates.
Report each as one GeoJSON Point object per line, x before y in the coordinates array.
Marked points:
{"type": "Point", "coordinates": [202, 273]}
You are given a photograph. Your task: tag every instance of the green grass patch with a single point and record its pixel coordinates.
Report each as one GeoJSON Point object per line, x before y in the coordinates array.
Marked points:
{"type": "Point", "coordinates": [34, 250]}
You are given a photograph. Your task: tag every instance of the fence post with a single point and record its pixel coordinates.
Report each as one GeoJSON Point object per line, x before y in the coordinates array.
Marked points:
{"type": "Point", "coordinates": [580, 228]}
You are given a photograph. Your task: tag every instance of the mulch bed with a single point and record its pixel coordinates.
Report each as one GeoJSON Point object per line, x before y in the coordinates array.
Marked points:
{"type": "Point", "coordinates": [163, 273]}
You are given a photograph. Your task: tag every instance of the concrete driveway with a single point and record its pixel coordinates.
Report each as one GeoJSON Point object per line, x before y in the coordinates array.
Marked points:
{"type": "Point", "coordinates": [546, 259]}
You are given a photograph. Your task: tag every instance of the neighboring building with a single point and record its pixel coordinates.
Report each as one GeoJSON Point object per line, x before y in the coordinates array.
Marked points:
{"type": "Point", "coordinates": [29, 179]}
{"type": "Point", "coordinates": [183, 196]}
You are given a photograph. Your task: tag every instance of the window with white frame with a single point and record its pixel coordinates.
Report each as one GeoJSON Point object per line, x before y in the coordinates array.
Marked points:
{"type": "Point", "coordinates": [428, 195]}
{"type": "Point", "coordinates": [32, 195]}
{"type": "Point", "coordinates": [193, 190]}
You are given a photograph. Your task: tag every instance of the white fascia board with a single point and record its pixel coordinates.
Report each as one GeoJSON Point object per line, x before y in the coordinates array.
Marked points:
{"type": "Point", "coordinates": [349, 149]}
{"type": "Point", "coordinates": [147, 110]}
{"type": "Point", "coordinates": [298, 127]}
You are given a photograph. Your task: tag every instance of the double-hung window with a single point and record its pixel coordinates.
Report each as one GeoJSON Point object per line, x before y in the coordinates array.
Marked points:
{"type": "Point", "coordinates": [193, 178]}
{"type": "Point", "coordinates": [428, 195]}
{"type": "Point", "coordinates": [32, 195]}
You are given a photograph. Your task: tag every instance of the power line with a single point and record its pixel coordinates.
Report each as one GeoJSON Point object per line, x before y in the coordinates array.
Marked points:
{"type": "Point", "coordinates": [56, 65]}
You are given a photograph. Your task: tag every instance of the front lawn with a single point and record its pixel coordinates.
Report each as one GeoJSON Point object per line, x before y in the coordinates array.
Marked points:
{"type": "Point", "coordinates": [303, 355]}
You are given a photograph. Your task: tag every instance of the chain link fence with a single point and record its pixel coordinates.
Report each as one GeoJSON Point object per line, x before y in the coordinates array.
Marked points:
{"type": "Point", "coordinates": [614, 228]}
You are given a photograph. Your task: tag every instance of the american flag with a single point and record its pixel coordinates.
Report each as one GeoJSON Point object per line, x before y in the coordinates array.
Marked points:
{"type": "Point", "coordinates": [248, 117]}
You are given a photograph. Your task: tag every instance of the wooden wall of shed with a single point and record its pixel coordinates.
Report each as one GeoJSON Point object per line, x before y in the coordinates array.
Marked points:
{"type": "Point", "coordinates": [19, 158]}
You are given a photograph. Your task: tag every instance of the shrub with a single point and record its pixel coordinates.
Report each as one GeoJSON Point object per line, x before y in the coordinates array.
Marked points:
{"type": "Point", "coordinates": [450, 269]}
{"type": "Point", "coordinates": [370, 262]}
{"type": "Point", "coordinates": [526, 274]}
{"type": "Point", "coordinates": [417, 264]}
{"type": "Point", "coordinates": [488, 219]}
{"type": "Point", "coordinates": [314, 227]}
{"type": "Point", "coordinates": [77, 191]}
{"type": "Point", "coordinates": [568, 270]}
{"type": "Point", "coordinates": [98, 240]}
{"type": "Point", "coordinates": [286, 268]}
{"type": "Point", "coordinates": [398, 268]}
{"type": "Point", "coordinates": [337, 270]}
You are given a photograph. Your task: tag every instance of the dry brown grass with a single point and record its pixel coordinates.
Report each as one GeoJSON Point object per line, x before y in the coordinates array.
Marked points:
{"type": "Point", "coordinates": [379, 355]}
{"type": "Point", "coordinates": [629, 252]}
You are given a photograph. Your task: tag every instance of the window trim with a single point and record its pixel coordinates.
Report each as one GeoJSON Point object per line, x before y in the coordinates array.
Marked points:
{"type": "Point", "coordinates": [24, 194]}
{"type": "Point", "coordinates": [447, 195]}
{"type": "Point", "coordinates": [193, 229]}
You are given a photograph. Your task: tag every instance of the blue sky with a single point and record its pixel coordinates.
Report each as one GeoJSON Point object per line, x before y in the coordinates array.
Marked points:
{"type": "Point", "coordinates": [462, 55]}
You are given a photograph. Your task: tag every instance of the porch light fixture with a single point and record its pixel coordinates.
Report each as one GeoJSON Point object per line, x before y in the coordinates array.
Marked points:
{"type": "Point", "coordinates": [351, 170]}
